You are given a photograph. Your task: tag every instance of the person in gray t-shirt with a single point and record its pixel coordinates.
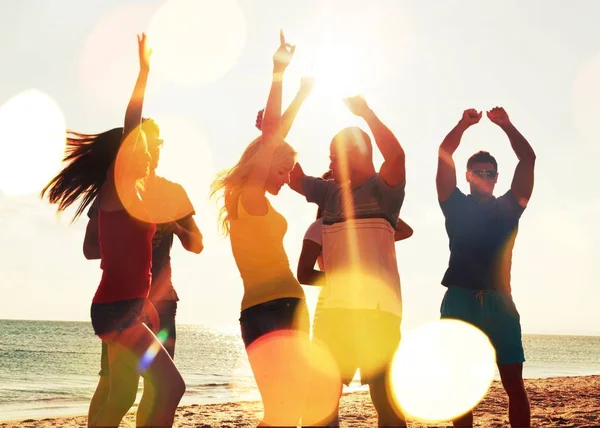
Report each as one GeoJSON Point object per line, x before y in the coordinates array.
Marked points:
{"type": "Point", "coordinates": [362, 305]}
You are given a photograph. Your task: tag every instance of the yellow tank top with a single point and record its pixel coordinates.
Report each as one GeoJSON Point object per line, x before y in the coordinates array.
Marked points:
{"type": "Point", "coordinates": [257, 245]}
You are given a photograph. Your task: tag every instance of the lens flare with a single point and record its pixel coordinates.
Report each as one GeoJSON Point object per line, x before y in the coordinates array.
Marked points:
{"type": "Point", "coordinates": [196, 41]}
{"type": "Point", "coordinates": [109, 63]}
{"type": "Point", "coordinates": [297, 378]}
{"type": "Point", "coordinates": [442, 370]}
{"type": "Point", "coordinates": [148, 357]}
{"type": "Point", "coordinates": [185, 158]}
{"type": "Point", "coordinates": [33, 142]}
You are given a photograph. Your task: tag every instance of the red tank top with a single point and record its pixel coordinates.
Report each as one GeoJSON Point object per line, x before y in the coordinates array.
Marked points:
{"type": "Point", "coordinates": [126, 250]}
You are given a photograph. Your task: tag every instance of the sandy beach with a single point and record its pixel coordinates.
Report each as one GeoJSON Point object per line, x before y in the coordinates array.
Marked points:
{"type": "Point", "coordinates": [555, 402]}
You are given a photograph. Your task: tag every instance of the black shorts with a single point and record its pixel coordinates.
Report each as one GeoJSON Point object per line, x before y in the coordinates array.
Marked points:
{"type": "Point", "coordinates": [115, 317]}
{"type": "Point", "coordinates": [167, 309]}
{"type": "Point", "coordinates": [279, 314]}
{"type": "Point", "coordinates": [359, 339]}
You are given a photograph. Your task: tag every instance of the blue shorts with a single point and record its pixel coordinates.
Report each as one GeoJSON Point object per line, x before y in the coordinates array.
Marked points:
{"type": "Point", "coordinates": [494, 313]}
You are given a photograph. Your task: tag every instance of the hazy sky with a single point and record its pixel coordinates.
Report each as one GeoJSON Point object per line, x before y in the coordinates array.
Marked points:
{"type": "Point", "coordinates": [419, 64]}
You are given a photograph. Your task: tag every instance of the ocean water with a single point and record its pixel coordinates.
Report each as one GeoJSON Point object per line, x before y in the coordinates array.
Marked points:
{"type": "Point", "coordinates": [50, 368]}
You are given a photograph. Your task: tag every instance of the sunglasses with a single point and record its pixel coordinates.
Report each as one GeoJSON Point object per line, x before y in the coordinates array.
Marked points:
{"type": "Point", "coordinates": [484, 173]}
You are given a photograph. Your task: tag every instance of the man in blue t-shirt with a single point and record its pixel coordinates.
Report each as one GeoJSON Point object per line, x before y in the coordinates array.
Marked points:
{"type": "Point", "coordinates": [360, 315]}
{"type": "Point", "coordinates": [482, 231]}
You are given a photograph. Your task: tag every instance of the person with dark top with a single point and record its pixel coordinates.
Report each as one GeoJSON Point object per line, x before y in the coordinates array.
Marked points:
{"type": "Point", "coordinates": [109, 167]}
{"type": "Point", "coordinates": [170, 201]}
{"type": "Point", "coordinates": [362, 304]}
{"type": "Point", "coordinates": [482, 231]}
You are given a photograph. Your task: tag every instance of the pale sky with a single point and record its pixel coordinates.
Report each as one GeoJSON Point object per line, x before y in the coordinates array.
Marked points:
{"type": "Point", "coordinates": [419, 65]}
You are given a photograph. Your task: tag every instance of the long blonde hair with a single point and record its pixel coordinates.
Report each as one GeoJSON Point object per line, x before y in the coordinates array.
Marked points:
{"type": "Point", "coordinates": [231, 181]}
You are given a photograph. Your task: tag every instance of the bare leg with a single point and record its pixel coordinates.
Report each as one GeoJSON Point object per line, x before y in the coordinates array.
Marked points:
{"type": "Point", "coordinates": [388, 413]}
{"type": "Point", "coordinates": [519, 412]}
{"type": "Point", "coordinates": [125, 353]}
{"type": "Point", "coordinates": [99, 398]}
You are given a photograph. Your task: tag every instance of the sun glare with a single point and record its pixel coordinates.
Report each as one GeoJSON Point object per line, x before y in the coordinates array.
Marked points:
{"type": "Point", "coordinates": [109, 63]}
{"type": "Point", "coordinates": [186, 159]}
{"type": "Point", "coordinates": [33, 142]}
{"type": "Point", "coordinates": [442, 370]}
{"type": "Point", "coordinates": [196, 42]}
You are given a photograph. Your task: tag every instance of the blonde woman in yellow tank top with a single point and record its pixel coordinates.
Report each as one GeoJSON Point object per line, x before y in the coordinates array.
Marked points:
{"type": "Point", "coordinates": [273, 306]}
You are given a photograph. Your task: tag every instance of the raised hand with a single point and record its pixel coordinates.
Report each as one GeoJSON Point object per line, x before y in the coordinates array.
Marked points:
{"type": "Point", "coordinates": [259, 119]}
{"type": "Point", "coordinates": [498, 116]}
{"type": "Point", "coordinates": [470, 117]}
{"type": "Point", "coordinates": [357, 105]}
{"type": "Point", "coordinates": [283, 54]}
{"type": "Point", "coordinates": [307, 84]}
{"type": "Point", "coordinates": [144, 52]}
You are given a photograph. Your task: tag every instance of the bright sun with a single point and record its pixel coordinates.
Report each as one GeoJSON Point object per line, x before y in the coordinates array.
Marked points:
{"type": "Point", "coordinates": [32, 144]}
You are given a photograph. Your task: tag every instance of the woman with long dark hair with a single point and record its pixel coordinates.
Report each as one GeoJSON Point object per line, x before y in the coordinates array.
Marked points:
{"type": "Point", "coordinates": [111, 167]}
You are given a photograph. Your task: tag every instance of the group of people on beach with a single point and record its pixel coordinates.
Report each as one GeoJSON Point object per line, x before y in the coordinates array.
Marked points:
{"type": "Point", "coordinates": [134, 215]}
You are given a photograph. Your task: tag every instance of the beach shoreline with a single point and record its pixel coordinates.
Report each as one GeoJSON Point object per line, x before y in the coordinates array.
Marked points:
{"type": "Point", "coordinates": [559, 401]}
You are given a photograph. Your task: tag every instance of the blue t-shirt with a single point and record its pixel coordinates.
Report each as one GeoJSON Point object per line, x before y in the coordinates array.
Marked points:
{"type": "Point", "coordinates": [482, 236]}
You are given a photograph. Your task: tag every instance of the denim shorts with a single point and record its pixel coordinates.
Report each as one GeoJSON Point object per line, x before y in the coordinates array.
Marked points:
{"type": "Point", "coordinates": [279, 314]}
{"type": "Point", "coordinates": [167, 309]}
{"type": "Point", "coordinates": [494, 313]}
{"type": "Point", "coordinates": [115, 317]}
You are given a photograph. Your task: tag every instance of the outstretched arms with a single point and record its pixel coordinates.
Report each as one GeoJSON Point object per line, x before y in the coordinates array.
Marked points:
{"type": "Point", "coordinates": [133, 114]}
{"type": "Point", "coordinates": [253, 198]}
{"type": "Point", "coordinates": [272, 116]}
{"type": "Point", "coordinates": [522, 183]}
{"type": "Point", "coordinates": [393, 170]}
{"type": "Point", "coordinates": [446, 172]}
{"type": "Point", "coordinates": [306, 85]}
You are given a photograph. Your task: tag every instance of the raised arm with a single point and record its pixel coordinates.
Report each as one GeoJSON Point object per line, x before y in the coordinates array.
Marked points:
{"type": "Point", "coordinates": [272, 116]}
{"type": "Point", "coordinates": [133, 114]}
{"type": "Point", "coordinates": [445, 179]}
{"type": "Point", "coordinates": [290, 113]}
{"type": "Point", "coordinates": [253, 195]}
{"type": "Point", "coordinates": [306, 85]}
{"type": "Point", "coordinates": [393, 170]}
{"type": "Point", "coordinates": [522, 183]}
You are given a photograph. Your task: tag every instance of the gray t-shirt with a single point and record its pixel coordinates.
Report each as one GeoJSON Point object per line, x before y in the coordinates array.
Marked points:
{"type": "Point", "coordinates": [359, 254]}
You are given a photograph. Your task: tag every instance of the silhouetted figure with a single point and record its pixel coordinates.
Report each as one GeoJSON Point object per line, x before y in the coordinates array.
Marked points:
{"type": "Point", "coordinates": [362, 306]}
{"type": "Point", "coordinates": [482, 231]}
{"type": "Point", "coordinates": [170, 201]}
{"type": "Point", "coordinates": [109, 167]}
{"type": "Point", "coordinates": [273, 299]}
